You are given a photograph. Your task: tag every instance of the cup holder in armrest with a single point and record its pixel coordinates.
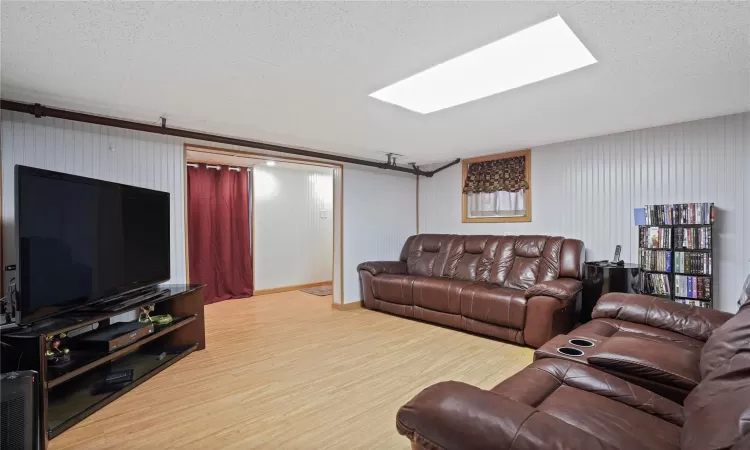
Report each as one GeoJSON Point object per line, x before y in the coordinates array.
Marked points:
{"type": "Point", "coordinates": [569, 351]}
{"type": "Point", "coordinates": [578, 342]}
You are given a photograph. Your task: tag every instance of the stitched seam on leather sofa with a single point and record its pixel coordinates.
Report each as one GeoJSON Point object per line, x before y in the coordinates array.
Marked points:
{"type": "Point", "coordinates": [646, 365]}
{"type": "Point", "coordinates": [559, 381]}
{"type": "Point", "coordinates": [518, 430]}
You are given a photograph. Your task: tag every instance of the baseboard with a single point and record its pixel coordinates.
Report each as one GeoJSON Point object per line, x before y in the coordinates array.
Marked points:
{"type": "Point", "coordinates": [347, 306]}
{"type": "Point", "coordinates": [291, 288]}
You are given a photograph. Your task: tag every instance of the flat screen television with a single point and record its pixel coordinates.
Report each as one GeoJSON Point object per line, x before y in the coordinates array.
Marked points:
{"type": "Point", "coordinates": [80, 241]}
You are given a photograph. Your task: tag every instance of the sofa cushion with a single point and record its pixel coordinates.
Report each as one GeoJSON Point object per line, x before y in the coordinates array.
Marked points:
{"type": "Point", "coordinates": [615, 327]}
{"type": "Point", "coordinates": [626, 415]}
{"type": "Point", "coordinates": [475, 260]}
{"type": "Point", "coordinates": [439, 294]}
{"type": "Point", "coordinates": [721, 402]}
{"type": "Point", "coordinates": [394, 288]}
{"type": "Point", "coordinates": [727, 341]}
{"type": "Point", "coordinates": [528, 251]}
{"type": "Point", "coordinates": [493, 304]}
{"type": "Point", "coordinates": [659, 361]}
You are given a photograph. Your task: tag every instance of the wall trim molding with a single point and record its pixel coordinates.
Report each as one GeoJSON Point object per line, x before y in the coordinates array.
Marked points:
{"type": "Point", "coordinates": [296, 287]}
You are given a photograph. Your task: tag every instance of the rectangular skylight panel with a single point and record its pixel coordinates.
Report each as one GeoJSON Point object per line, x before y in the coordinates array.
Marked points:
{"type": "Point", "coordinates": [542, 51]}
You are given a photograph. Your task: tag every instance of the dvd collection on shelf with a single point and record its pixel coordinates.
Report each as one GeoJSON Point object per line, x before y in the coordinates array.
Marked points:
{"type": "Point", "coordinates": [655, 237]}
{"type": "Point", "coordinates": [693, 263]}
{"type": "Point", "coordinates": [656, 260]}
{"type": "Point", "coordinates": [698, 303]}
{"type": "Point", "coordinates": [676, 256]}
{"type": "Point", "coordinates": [680, 214]}
{"type": "Point", "coordinates": [692, 238]}
{"type": "Point", "coordinates": [697, 288]}
{"type": "Point", "coordinates": [656, 283]}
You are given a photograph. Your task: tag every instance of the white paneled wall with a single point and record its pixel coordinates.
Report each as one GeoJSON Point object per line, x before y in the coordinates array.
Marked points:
{"type": "Point", "coordinates": [587, 189]}
{"type": "Point", "coordinates": [293, 225]}
{"type": "Point", "coordinates": [123, 156]}
{"type": "Point", "coordinates": [379, 214]}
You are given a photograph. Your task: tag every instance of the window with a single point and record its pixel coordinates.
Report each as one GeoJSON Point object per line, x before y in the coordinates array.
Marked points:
{"type": "Point", "coordinates": [497, 188]}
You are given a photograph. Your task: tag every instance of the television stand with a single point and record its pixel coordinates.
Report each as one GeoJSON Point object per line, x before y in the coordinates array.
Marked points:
{"type": "Point", "coordinates": [122, 302]}
{"type": "Point", "coordinates": [73, 390]}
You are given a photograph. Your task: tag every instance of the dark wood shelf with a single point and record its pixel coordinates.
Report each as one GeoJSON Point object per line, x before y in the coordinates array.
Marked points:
{"type": "Point", "coordinates": [90, 360]}
{"type": "Point", "coordinates": [706, 300]}
{"type": "Point", "coordinates": [692, 250]}
{"type": "Point", "coordinates": [707, 275]}
{"type": "Point", "coordinates": [655, 271]}
{"type": "Point", "coordinates": [656, 248]}
{"type": "Point", "coordinates": [69, 393]}
{"type": "Point", "coordinates": [83, 396]}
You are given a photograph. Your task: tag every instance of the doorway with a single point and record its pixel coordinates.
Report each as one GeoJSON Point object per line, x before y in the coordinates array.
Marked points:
{"type": "Point", "coordinates": [294, 220]}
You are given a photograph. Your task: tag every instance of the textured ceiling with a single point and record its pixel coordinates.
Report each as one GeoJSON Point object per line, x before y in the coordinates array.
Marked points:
{"type": "Point", "coordinates": [299, 73]}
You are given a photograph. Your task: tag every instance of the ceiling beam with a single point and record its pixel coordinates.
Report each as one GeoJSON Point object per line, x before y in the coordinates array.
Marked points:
{"type": "Point", "coordinates": [38, 110]}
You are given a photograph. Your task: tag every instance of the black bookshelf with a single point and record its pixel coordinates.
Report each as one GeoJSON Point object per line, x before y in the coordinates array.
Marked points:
{"type": "Point", "coordinates": [676, 253]}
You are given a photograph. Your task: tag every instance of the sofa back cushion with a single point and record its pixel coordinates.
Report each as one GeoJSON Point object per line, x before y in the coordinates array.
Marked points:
{"type": "Point", "coordinates": [717, 411]}
{"type": "Point", "coordinates": [508, 261]}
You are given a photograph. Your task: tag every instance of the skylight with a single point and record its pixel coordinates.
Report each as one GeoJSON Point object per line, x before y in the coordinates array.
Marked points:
{"type": "Point", "coordinates": [542, 51]}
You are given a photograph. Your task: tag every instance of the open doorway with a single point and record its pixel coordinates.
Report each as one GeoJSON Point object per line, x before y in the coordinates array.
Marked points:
{"type": "Point", "coordinates": [292, 218]}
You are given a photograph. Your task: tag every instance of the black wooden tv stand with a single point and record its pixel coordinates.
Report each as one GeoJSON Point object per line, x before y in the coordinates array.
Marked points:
{"type": "Point", "coordinates": [72, 391]}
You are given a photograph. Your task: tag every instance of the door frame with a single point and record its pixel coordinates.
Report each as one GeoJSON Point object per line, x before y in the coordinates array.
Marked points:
{"type": "Point", "coordinates": [338, 193]}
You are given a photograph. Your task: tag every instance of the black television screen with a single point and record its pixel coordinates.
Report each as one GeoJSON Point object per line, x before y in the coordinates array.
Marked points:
{"type": "Point", "coordinates": [80, 240]}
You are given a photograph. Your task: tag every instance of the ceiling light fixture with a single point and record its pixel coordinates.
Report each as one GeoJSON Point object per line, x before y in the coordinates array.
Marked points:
{"type": "Point", "coordinates": [542, 51]}
{"type": "Point", "coordinates": [271, 163]}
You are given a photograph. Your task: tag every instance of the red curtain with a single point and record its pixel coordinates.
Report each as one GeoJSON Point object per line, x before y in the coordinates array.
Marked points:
{"type": "Point", "coordinates": [219, 232]}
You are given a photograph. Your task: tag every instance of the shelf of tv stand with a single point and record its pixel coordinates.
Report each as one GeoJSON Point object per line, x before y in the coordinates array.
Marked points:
{"type": "Point", "coordinates": [81, 398]}
{"type": "Point", "coordinates": [90, 360]}
{"type": "Point", "coordinates": [68, 395]}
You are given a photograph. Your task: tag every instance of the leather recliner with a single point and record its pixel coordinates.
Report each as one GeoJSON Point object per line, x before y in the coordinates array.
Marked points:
{"type": "Point", "coordinates": [521, 289]}
{"type": "Point", "coordinates": [560, 404]}
{"type": "Point", "coordinates": [669, 363]}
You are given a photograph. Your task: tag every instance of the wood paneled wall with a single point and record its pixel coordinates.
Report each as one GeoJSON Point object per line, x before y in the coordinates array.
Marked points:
{"type": "Point", "coordinates": [587, 189]}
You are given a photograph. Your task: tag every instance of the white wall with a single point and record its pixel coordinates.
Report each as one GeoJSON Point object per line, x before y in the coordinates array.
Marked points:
{"type": "Point", "coordinates": [379, 205]}
{"type": "Point", "coordinates": [139, 159]}
{"type": "Point", "coordinates": [587, 189]}
{"type": "Point", "coordinates": [379, 214]}
{"type": "Point", "coordinates": [293, 225]}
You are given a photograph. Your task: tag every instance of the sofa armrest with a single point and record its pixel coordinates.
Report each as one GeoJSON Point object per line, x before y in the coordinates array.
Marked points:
{"type": "Point", "coordinates": [378, 267]}
{"type": "Point", "coordinates": [692, 321]}
{"type": "Point", "coordinates": [658, 361]}
{"type": "Point", "coordinates": [453, 415]}
{"type": "Point", "coordinates": [561, 288]}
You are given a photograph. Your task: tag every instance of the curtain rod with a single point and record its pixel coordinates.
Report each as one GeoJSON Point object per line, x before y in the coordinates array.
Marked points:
{"type": "Point", "coordinates": [218, 167]}
{"type": "Point", "coordinates": [39, 111]}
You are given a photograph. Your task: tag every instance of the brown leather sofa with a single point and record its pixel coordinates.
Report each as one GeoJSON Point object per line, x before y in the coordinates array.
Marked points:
{"type": "Point", "coordinates": [561, 404]}
{"type": "Point", "coordinates": [521, 289]}
{"type": "Point", "coordinates": [668, 364]}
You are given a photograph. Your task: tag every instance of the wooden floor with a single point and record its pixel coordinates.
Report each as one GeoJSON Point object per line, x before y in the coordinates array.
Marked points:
{"type": "Point", "coordinates": [287, 371]}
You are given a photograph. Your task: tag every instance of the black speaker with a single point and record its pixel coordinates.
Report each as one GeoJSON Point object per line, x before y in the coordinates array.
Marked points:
{"type": "Point", "coordinates": [19, 418]}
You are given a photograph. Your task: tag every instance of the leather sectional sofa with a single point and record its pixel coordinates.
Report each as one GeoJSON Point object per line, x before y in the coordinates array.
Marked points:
{"type": "Point", "coordinates": [610, 402]}
{"type": "Point", "coordinates": [521, 289]}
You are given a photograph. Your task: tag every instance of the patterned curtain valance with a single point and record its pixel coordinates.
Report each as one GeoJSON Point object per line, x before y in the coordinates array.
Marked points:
{"type": "Point", "coordinates": [506, 174]}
